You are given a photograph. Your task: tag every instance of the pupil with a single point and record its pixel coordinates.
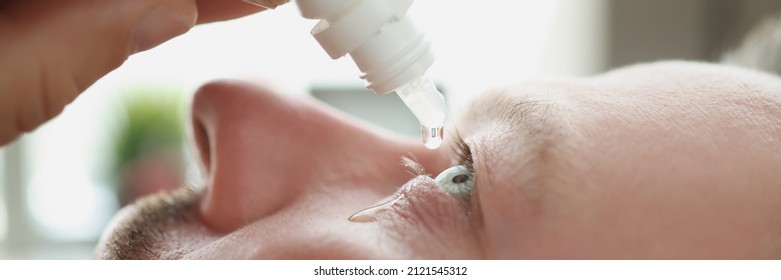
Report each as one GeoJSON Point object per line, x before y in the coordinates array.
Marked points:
{"type": "Point", "coordinates": [460, 178]}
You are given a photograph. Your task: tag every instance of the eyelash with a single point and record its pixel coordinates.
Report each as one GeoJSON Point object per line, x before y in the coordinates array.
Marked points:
{"type": "Point", "coordinates": [460, 149]}
{"type": "Point", "coordinates": [462, 191]}
{"type": "Point", "coordinates": [463, 154]}
{"type": "Point", "coordinates": [413, 165]}
{"type": "Point", "coordinates": [458, 180]}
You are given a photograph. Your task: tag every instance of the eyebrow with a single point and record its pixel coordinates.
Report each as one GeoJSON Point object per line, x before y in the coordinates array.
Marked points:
{"type": "Point", "coordinates": [134, 237]}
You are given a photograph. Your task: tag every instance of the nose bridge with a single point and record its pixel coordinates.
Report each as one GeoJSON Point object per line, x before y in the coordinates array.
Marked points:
{"type": "Point", "coordinates": [266, 150]}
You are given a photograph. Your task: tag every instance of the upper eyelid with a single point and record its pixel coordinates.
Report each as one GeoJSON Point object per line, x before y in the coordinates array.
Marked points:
{"type": "Point", "coordinates": [462, 151]}
{"type": "Point", "coordinates": [464, 156]}
{"type": "Point", "coordinates": [474, 206]}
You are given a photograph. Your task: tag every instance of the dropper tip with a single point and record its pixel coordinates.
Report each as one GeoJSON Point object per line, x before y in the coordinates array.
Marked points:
{"type": "Point", "coordinates": [428, 105]}
{"type": "Point", "coordinates": [432, 136]}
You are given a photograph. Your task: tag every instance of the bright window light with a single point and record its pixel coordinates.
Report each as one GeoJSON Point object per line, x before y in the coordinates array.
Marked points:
{"type": "Point", "coordinates": [76, 211]}
{"type": "Point", "coordinates": [65, 193]}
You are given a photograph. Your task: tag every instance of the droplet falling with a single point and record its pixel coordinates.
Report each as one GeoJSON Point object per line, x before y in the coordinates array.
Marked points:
{"type": "Point", "coordinates": [432, 136]}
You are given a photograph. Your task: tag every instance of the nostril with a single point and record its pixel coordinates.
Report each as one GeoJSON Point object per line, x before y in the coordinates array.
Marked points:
{"type": "Point", "coordinates": [203, 144]}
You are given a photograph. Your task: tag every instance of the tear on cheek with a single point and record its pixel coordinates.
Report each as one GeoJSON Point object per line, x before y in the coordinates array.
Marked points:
{"type": "Point", "coordinates": [419, 202]}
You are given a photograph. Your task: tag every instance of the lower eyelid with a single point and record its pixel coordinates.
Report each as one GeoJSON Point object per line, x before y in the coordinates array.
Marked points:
{"type": "Point", "coordinates": [422, 203]}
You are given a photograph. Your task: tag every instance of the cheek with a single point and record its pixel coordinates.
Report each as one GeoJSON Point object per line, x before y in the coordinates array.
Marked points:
{"type": "Point", "coordinates": [331, 244]}
{"type": "Point", "coordinates": [431, 222]}
{"type": "Point", "coordinates": [554, 219]}
{"type": "Point", "coordinates": [650, 219]}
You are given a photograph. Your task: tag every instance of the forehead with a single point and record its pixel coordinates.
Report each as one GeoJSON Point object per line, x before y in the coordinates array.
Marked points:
{"type": "Point", "coordinates": [546, 145]}
{"type": "Point", "coordinates": [674, 107]}
{"type": "Point", "coordinates": [678, 123]}
{"type": "Point", "coordinates": [704, 103]}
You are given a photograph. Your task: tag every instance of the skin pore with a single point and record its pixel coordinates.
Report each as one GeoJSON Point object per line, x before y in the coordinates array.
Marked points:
{"type": "Point", "coordinates": [669, 160]}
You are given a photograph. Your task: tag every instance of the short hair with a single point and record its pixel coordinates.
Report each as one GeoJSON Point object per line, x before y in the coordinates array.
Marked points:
{"type": "Point", "coordinates": [148, 223]}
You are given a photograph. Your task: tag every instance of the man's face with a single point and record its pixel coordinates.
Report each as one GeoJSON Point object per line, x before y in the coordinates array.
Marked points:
{"type": "Point", "coordinates": [667, 160]}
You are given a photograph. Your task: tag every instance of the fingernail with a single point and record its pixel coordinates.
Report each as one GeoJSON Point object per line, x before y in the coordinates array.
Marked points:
{"type": "Point", "coordinates": [161, 24]}
{"type": "Point", "coordinates": [268, 4]}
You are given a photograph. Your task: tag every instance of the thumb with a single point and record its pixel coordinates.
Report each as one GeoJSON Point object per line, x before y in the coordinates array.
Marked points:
{"type": "Point", "coordinates": [54, 50]}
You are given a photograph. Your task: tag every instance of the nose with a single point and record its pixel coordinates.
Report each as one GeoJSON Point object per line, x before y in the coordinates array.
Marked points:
{"type": "Point", "coordinates": [262, 151]}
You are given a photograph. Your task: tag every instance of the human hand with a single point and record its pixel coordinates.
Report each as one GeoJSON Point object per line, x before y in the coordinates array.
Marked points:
{"type": "Point", "coordinates": [51, 51]}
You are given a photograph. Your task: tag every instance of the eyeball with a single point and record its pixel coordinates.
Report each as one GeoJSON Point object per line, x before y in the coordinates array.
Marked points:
{"type": "Point", "coordinates": [456, 180]}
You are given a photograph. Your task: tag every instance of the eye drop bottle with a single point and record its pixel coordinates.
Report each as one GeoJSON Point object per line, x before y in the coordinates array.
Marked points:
{"type": "Point", "coordinates": [391, 53]}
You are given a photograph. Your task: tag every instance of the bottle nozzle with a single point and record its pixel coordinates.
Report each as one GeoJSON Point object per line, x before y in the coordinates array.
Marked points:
{"type": "Point", "coordinates": [428, 105]}
{"type": "Point", "coordinates": [391, 52]}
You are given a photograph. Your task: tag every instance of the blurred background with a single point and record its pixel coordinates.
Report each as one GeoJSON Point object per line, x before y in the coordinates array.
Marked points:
{"type": "Point", "coordinates": [126, 136]}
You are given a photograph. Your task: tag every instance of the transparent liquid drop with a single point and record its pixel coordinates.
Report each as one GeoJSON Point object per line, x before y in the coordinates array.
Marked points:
{"type": "Point", "coordinates": [370, 214]}
{"type": "Point", "coordinates": [432, 136]}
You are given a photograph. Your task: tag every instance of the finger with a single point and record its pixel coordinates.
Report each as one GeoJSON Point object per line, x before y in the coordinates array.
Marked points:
{"type": "Point", "coordinates": [217, 10]}
{"type": "Point", "coordinates": [53, 50]}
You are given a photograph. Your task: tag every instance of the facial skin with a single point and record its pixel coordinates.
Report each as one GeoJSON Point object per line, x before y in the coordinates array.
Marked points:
{"type": "Point", "coordinates": [663, 161]}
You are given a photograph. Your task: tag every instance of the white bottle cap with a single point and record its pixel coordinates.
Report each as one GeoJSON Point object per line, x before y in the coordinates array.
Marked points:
{"type": "Point", "coordinates": [382, 41]}
{"type": "Point", "coordinates": [390, 51]}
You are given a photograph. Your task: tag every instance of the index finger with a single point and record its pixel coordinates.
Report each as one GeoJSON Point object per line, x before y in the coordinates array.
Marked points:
{"type": "Point", "coordinates": [217, 10]}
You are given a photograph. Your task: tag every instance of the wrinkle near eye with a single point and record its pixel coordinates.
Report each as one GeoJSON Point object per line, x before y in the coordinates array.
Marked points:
{"type": "Point", "coordinates": [519, 135]}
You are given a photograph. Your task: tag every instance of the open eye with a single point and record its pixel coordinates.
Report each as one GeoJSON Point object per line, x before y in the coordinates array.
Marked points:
{"type": "Point", "coordinates": [457, 180]}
